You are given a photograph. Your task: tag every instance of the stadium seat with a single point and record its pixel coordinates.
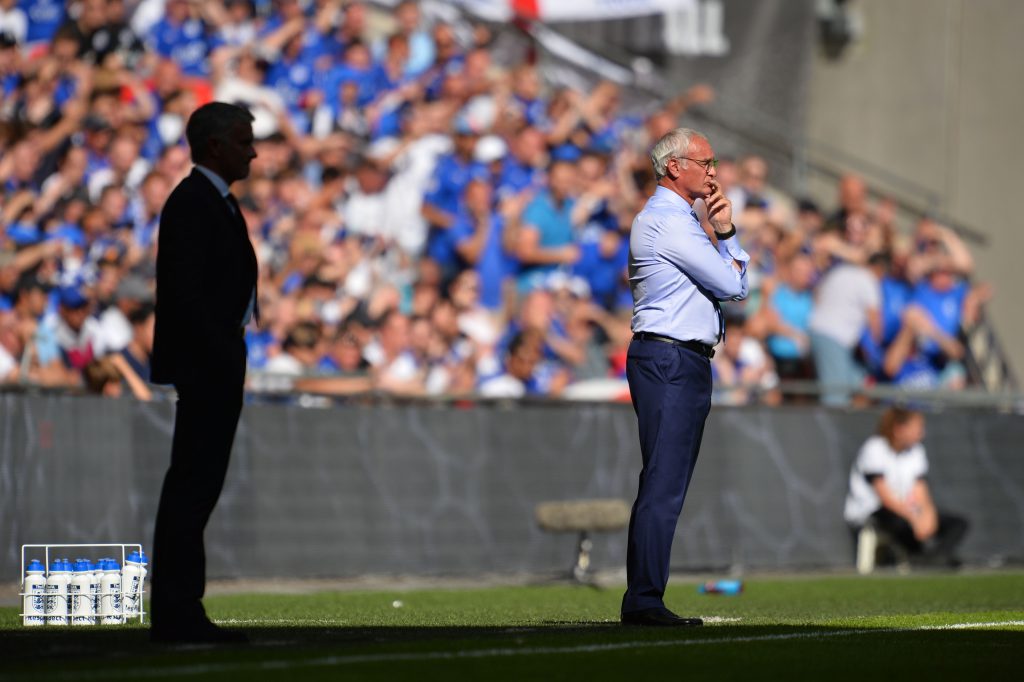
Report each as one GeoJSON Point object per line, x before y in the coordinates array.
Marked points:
{"type": "Point", "coordinates": [583, 517]}
{"type": "Point", "coordinates": [870, 542]}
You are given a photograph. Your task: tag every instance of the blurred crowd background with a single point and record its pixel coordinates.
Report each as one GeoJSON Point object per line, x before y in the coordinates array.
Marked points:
{"type": "Point", "coordinates": [431, 217]}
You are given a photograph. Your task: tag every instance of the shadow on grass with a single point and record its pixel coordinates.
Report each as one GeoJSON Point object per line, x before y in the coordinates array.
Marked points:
{"type": "Point", "coordinates": [73, 653]}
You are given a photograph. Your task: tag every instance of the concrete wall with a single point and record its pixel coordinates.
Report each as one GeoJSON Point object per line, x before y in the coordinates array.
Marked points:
{"type": "Point", "coordinates": [433, 490]}
{"type": "Point", "coordinates": [932, 92]}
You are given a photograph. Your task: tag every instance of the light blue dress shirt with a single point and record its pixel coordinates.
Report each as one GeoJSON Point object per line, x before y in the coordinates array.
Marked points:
{"type": "Point", "coordinates": [223, 189]}
{"type": "Point", "coordinates": [677, 275]}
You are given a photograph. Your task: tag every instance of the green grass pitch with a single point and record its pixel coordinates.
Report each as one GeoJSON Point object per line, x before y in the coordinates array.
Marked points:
{"type": "Point", "coordinates": [927, 627]}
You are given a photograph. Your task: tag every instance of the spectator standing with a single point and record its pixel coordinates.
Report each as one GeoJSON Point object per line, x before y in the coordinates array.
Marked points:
{"type": "Point", "coordinates": [410, 27]}
{"type": "Point", "coordinates": [786, 319]}
{"type": "Point", "coordinates": [478, 234]}
{"type": "Point", "coordinates": [184, 36]}
{"type": "Point", "coordinates": [441, 204]}
{"type": "Point", "coordinates": [847, 302]}
{"type": "Point", "coordinates": [545, 241]}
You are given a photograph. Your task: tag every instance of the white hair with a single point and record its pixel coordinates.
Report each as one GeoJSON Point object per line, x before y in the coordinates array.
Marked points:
{"type": "Point", "coordinates": [672, 145]}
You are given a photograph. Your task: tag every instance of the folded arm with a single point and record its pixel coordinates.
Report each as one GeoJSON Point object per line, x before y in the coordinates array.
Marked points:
{"type": "Point", "coordinates": [721, 268]}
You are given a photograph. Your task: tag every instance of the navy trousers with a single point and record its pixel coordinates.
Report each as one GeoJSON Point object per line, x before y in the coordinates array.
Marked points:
{"type": "Point", "coordinates": [671, 392]}
{"type": "Point", "coordinates": [204, 430]}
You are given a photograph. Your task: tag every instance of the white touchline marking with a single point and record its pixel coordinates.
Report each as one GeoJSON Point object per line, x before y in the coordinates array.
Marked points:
{"type": "Point", "coordinates": [968, 626]}
{"type": "Point", "coordinates": [719, 619]}
{"type": "Point", "coordinates": [280, 621]}
{"type": "Point", "coordinates": [323, 661]}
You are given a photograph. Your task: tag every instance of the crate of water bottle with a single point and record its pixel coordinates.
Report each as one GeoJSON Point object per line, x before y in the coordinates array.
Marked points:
{"type": "Point", "coordinates": [90, 590]}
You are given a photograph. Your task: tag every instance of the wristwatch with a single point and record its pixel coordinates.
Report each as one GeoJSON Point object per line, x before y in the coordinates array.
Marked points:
{"type": "Point", "coordinates": [726, 235]}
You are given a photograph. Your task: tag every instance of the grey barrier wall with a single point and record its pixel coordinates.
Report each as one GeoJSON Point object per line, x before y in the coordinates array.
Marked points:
{"type": "Point", "coordinates": [444, 490]}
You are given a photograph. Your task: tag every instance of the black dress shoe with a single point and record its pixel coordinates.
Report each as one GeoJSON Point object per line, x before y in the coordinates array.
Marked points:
{"type": "Point", "coordinates": [202, 632]}
{"type": "Point", "coordinates": [659, 617]}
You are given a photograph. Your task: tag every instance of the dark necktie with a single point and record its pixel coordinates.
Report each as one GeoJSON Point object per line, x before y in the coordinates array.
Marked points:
{"type": "Point", "coordinates": [237, 210]}
{"type": "Point", "coordinates": [718, 306]}
{"type": "Point", "coordinates": [233, 203]}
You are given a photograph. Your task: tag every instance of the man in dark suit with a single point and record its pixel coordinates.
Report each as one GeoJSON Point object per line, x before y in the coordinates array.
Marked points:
{"type": "Point", "coordinates": [206, 294]}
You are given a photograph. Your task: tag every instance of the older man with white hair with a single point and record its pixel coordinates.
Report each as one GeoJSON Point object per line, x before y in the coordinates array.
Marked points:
{"type": "Point", "coordinates": [678, 273]}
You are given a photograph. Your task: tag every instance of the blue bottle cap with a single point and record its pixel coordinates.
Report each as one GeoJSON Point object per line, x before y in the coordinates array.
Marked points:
{"type": "Point", "coordinates": [132, 558]}
{"type": "Point", "coordinates": [36, 565]}
{"type": "Point", "coordinates": [56, 566]}
{"type": "Point", "coordinates": [68, 566]}
{"type": "Point", "coordinates": [112, 565]}
{"type": "Point", "coordinates": [143, 558]}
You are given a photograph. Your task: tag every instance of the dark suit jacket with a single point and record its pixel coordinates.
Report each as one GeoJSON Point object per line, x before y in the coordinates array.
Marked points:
{"type": "Point", "coordinates": [205, 274]}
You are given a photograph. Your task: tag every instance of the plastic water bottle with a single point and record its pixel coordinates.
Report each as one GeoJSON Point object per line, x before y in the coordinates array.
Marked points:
{"type": "Point", "coordinates": [80, 601]}
{"type": "Point", "coordinates": [57, 594]}
{"type": "Point", "coordinates": [132, 577]}
{"type": "Point", "coordinates": [110, 593]}
{"type": "Point", "coordinates": [728, 587]}
{"type": "Point", "coordinates": [95, 578]}
{"type": "Point", "coordinates": [34, 589]}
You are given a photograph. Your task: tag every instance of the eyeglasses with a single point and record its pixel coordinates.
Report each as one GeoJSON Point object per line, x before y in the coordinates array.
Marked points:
{"type": "Point", "coordinates": [706, 164]}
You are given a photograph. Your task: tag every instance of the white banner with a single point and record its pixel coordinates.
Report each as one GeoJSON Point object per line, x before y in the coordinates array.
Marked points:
{"type": "Point", "coordinates": [572, 10]}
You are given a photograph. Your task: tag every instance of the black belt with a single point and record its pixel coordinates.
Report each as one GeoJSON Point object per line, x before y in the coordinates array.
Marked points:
{"type": "Point", "coordinates": [696, 346]}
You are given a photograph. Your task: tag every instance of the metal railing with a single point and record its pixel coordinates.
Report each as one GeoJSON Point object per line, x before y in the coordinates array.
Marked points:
{"type": "Point", "coordinates": [1007, 399]}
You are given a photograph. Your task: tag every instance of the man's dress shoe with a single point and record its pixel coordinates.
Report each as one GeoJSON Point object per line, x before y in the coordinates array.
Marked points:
{"type": "Point", "coordinates": [659, 617]}
{"type": "Point", "coordinates": [201, 632]}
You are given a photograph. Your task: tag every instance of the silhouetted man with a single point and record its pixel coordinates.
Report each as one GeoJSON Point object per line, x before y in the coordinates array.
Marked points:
{"type": "Point", "coordinates": [206, 294]}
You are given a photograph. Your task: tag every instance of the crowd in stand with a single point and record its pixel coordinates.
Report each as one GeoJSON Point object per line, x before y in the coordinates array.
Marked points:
{"type": "Point", "coordinates": [428, 219]}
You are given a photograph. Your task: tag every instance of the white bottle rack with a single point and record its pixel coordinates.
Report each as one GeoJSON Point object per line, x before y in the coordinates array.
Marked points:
{"type": "Point", "coordinates": [125, 548]}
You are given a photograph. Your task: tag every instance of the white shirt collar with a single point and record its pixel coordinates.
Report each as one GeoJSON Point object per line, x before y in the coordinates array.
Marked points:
{"type": "Point", "coordinates": [217, 180]}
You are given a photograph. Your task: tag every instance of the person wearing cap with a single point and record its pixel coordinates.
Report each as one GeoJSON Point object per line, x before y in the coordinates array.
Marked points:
{"type": "Point", "coordinates": [206, 295]}
{"type": "Point", "coordinates": [78, 333]}
{"type": "Point", "coordinates": [679, 270]}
